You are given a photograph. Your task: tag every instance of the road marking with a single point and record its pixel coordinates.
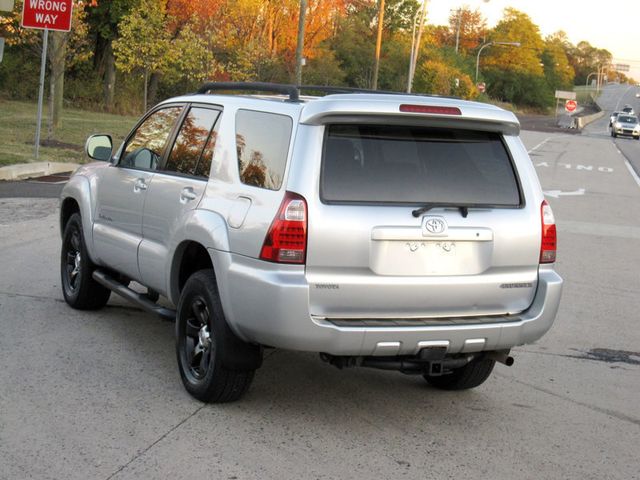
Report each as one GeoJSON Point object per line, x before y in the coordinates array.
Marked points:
{"type": "Point", "coordinates": [560, 193]}
{"type": "Point", "coordinates": [568, 166]}
{"type": "Point", "coordinates": [633, 173]}
{"type": "Point", "coordinates": [540, 144]}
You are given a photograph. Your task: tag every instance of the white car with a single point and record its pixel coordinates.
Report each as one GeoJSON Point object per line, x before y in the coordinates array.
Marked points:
{"type": "Point", "coordinates": [626, 125]}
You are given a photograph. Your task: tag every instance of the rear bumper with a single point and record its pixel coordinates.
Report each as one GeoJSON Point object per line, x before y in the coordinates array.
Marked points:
{"type": "Point", "coordinates": [269, 304]}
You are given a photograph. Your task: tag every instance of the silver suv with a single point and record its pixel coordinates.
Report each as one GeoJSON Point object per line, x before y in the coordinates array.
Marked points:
{"type": "Point", "coordinates": [391, 231]}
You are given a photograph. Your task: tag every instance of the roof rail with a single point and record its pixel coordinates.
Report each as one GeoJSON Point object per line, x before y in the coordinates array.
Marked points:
{"type": "Point", "coordinates": [332, 90]}
{"type": "Point", "coordinates": [290, 90]}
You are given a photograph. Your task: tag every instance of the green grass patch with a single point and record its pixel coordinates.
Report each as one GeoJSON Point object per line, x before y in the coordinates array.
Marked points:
{"type": "Point", "coordinates": [18, 131]}
{"type": "Point", "coordinates": [585, 95]}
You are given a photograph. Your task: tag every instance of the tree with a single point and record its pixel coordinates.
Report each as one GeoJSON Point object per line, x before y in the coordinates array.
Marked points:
{"type": "Point", "coordinates": [103, 18]}
{"type": "Point", "coordinates": [557, 70]}
{"type": "Point", "coordinates": [585, 59]}
{"type": "Point", "coordinates": [144, 42]}
{"type": "Point", "coordinates": [472, 28]}
{"type": "Point", "coordinates": [516, 26]}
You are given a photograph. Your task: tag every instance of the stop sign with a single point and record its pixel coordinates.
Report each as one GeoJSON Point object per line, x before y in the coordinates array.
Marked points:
{"type": "Point", "coordinates": [570, 106]}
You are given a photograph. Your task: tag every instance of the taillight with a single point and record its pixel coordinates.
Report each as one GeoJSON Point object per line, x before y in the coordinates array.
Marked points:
{"type": "Point", "coordinates": [286, 240]}
{"type": "Point", "coordinates": [430, 109]}
{"type": "Point", "coordinates": [549, 239]}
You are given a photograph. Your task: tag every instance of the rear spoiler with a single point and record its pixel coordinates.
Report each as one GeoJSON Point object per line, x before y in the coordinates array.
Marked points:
{"type": "Point", "coordinates": [387, 109]}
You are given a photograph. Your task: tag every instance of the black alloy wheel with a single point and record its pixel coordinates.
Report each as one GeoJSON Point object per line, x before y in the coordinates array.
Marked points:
{"type": "Point", "coordinates": [79, 288]}
{"type": "Point", "coordinates": [197, 345]}
{"type": "Point", "coordinates": [72, 274]}
{"type": "Point", "coordinates": [210, 357]}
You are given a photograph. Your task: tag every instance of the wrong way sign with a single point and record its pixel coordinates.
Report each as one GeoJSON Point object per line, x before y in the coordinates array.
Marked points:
{"type": "Point", "coordinates": [47, 14]}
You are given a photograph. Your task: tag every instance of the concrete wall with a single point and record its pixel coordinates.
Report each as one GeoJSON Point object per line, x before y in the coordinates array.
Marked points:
{"type": "Point", "coordinates": [37, 169]}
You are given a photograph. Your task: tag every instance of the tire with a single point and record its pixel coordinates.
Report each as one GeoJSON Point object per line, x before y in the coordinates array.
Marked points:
{"type": "Point", "coordinates": [203, 338]}
{"type": "Point", "coordinates": [470, 376]}
{"type": "Point", "coordinates": [79, 288]}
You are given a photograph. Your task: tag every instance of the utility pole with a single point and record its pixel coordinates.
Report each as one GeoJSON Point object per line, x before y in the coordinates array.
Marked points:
{"type": "Point", "coordinates": [416, 49]}
{"type": "Point", "coordinates": [378, 44]}
{"type": "Point", "coordinates": [300, 45]}
{"type": "Point", "coordinates": [459, 15]}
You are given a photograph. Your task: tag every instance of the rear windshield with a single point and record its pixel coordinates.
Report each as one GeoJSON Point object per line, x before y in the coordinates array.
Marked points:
{"type": "Point", "coordinates": [416, 165]}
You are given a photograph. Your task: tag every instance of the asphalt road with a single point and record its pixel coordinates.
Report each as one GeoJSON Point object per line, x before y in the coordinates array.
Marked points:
{"type": "Point", "coordinates": [98, 395]}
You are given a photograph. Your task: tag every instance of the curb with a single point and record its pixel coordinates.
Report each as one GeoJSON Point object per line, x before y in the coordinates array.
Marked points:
{"type": "Point", "coordinates": [22, 171]}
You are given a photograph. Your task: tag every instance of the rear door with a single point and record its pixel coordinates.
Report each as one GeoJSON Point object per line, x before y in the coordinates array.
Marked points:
{"type": "Point", "coordinates": [419, 222]}
{"type": "Point", "coordinates": [177, 188]}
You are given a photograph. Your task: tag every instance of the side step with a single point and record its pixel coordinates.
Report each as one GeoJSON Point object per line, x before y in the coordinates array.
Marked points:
{"type": "Point", "coordinates": [112, 284]}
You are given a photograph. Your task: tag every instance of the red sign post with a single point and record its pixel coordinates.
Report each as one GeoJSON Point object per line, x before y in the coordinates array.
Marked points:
{"type": "Point", "coordinates": [570, 106]}
{"type": "Point", "coordinates": [47, 14]}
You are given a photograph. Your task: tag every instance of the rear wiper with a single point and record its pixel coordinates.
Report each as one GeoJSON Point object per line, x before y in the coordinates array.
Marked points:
{"type": "Point", "coordinates": [464, 211]}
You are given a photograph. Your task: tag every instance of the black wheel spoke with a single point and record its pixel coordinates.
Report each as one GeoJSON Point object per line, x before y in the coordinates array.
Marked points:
{"type": "Point", "coordinates": [71, 259]}
{"type": "Point", "coordinates": [192, 330]}
{"type": "Point", "coordinates": [204, 361]}
{"type": "Point", "coordinates": [75, 240]}
{"type": "Point", "coordinates": [200, 311]}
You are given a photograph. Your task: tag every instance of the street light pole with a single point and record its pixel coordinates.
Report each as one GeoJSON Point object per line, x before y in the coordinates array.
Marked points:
{"type": "Point", "coordinates": [512, 44]}
{"type": "Point", "coordinates": [300, 45]}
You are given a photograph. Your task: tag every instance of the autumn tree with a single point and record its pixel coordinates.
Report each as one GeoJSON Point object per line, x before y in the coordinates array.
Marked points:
{"type": "Point", "coordinates": [103, 19]}
{"type": "Point", "coordinates": [467, 29]}
{"type": "Point", "coordinates": [516, 26]}
{"type": "Point", "coordinates": [557, 70]}
{"type": "Point", "coordinates": [147, 44]}
{"type": "Point", "coordinates": [585, 59]}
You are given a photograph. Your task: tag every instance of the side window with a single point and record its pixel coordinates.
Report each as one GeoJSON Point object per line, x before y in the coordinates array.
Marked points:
{"type": "Point", "coordinates": [145, 147]}
{"type": "Point", "coordinates": [262, 144]}
{"type": "Point", "coordinates": [191, 153]}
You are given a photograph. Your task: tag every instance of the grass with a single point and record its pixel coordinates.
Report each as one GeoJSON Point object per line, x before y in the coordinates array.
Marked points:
{"type": "Point", "coordinates": [585, 94]}
{"type": "Point", "coordinates": [18, 130]}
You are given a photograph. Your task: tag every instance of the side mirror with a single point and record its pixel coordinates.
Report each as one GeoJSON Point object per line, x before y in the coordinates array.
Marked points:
{"type": "Point", "coordinates": [99, 147]}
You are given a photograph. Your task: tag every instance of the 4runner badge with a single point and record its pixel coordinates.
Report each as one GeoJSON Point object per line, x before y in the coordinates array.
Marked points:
{"type": "Point", "coordinates": [433, 226]}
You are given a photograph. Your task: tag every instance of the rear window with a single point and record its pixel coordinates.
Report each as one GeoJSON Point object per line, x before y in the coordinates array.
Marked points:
{"type": "Point", "coordinates": [416, 165]}
{"type": "Point", "coordinates": [262, 144]}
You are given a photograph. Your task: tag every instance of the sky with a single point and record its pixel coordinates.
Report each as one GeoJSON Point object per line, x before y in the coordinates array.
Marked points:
{"type": "Point", "coordinates": [611, 25]}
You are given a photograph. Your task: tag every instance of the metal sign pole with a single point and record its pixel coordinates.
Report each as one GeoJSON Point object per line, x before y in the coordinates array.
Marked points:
{"type": "Point", "coordinates": [43, 67]}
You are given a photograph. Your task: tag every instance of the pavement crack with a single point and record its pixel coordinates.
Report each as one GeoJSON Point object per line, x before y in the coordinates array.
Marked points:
{"type": "Point", "coordinates": [606, 411]}
{"type": "Point", "coordinates": [33, 297]}
{"type": "Point", "coordinates": [162, 437]}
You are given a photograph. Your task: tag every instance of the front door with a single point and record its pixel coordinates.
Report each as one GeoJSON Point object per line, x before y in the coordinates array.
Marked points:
{"type": "Point", "coordinates": [121, 191]}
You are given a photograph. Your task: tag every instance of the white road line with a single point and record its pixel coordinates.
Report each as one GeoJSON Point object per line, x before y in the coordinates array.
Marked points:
{"type": "Point", "coordinates": [540, 144]}
{"type": "Point", "coordinates": [631, 170]}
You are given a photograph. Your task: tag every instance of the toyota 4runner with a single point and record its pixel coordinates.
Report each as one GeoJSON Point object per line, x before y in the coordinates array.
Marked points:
{"type": "Point", "coordinates": [392, 231]}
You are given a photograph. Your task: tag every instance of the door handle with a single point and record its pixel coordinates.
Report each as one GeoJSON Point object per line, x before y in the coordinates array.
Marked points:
{"type": "Point", "coordinates": [139, 186]}
{"type": "Point", "coordinates": [187, 195]}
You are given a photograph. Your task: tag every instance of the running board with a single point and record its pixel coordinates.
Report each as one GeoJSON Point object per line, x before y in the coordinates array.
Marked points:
{"type": "Point", "coordinates": [134, 297]}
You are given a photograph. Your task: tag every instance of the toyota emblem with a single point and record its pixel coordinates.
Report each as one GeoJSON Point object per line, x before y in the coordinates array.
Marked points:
{"type": "Point", "coordinates": [433, 226]}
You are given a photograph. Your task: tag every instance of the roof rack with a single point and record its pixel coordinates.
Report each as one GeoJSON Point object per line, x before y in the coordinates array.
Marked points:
{"type": "Point", "coordinates": [291, 90]}
{"type": "Point", "coordinates": [331, 89]}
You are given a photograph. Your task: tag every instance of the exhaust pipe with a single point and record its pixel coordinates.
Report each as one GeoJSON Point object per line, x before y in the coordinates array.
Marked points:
{"type": "Point", "coordinates": [501, 356]}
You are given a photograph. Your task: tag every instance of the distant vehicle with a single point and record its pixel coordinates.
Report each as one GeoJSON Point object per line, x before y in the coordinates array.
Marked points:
{"type": "Point", "coordinates": [626, 125]}
{"type": "Point", "coordinates": [613, 117]}
{"type": "Point", "coordinates": [628, 109]}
